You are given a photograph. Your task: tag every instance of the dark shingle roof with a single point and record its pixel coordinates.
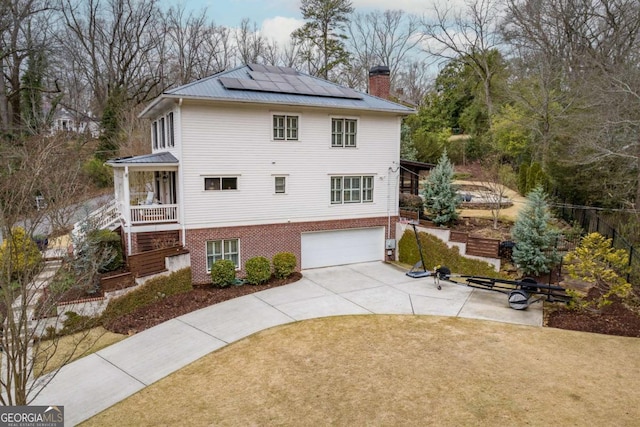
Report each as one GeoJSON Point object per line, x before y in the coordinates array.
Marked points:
{"type": "Point", "coordinates": [261, 84]}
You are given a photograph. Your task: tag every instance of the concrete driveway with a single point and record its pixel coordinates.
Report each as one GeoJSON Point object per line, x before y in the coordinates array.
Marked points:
{"type": "Point", "coordinates": [100, 380]}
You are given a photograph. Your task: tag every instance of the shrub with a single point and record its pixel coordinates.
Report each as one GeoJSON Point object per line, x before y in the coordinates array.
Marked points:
{"type": "Point", "coordinates": [19, 254]}
{"type": "Point", "coordinates": [99, 173]}
{"type": "Point", "coordinates": [176, 283]}
{"type": "Point", "coordinates": [411, 201]}
{"type": "Point", "coordinates": [63, 280]}
{"type": "Point", "coordinates": [223, 273]}
{"type": "Point", "coordinates": [76, 323]}
{"type": "Point", "coordinates": [436, 252]}
{"type": "Point", "coordinates": [110, 246]}
{"type": "Point", "coordinates": [284, 263]}
{"type": "Point", "coordinates": [258, 270]}
{"type": "Point", "coordinates": [596, 261]}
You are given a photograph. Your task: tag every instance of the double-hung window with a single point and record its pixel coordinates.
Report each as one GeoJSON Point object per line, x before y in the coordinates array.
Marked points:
{"type": "Point", "coordinates": [170, 131]}
{"type": "Point", "coordinates": [162, 132]}
{"type": "Point", "coordinates": [154, 134]}
{"type": "Point", "coordinates": [285, 128]}
{"type": "Point", "coordinates": [280, 184]}
{"type": "Point", "coordinates": [223, 249]}
{"type": "Point", "coordinates": [343, 132]}
{"type": "Point", "coordinates": [351, 189]}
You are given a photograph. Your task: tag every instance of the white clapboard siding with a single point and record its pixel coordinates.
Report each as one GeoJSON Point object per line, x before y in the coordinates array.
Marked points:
{"type": "Point", "coordinates": [223, 141]}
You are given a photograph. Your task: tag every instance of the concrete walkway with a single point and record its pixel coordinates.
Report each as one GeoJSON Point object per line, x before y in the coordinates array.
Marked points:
{"type": "Point", "coordinates": [100, 380]}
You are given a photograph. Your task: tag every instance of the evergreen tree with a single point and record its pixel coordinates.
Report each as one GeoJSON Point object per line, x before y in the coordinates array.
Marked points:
{"type": "Point", "coordinates": [326, 20]}
{"type": "Point", "coordinates": [407, 149]}
{"type": "Point", "coordinates": [535, 252]}
{"type": "Point", "coordinates": [111, 136]}
{"type": "Point", "coordinates": [441, 200]}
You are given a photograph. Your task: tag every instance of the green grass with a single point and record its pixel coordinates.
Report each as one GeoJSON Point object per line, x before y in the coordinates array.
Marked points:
{"type": "Point", "coordinates": [154, 289]}
{"type": "Point", "coordinates": [436, 252]}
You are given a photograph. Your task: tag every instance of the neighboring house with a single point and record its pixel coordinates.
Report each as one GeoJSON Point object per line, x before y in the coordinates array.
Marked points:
{"type": "Point", "coordinates": [65, 120]}
{"type": "Point", "coordinates": [259, 160]}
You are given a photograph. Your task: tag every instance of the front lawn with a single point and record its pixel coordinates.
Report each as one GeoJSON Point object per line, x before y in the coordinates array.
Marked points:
{"type": "Point", "coordinates": [398, 370]}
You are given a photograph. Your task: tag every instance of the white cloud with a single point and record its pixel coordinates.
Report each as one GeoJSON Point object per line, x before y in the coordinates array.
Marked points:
{"type": "Point", "coordinates": [280, 28]}
{"type": "Point", "coordinates": [416, 7]}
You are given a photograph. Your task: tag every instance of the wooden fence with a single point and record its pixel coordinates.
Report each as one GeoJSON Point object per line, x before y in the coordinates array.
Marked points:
{"type": "Point", "coordinates": [479, 246]}
{"type": "Point", "coordinates": [476, 246]}
{"type": "Point", "coordinates": [117, 282]}
{"type": "Point", "coordinates": [152, 262]}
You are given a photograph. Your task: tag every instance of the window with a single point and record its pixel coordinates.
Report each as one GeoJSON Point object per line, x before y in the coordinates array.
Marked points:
{"type": "Point", "coordinates": [285, 128]}
{"type": "Point", "coordinates": [170, 137]}
{"type": "Point", "coordinates": [223, 249]}
{"type": "Point", "coordinates": [221, 183]}
{"type": "Point", "coordinates": [367, 189]}
{"type": "Point", "coordinates": [343, 132]}
{"type": "Point", "coordinates": [162, 132]}
{"type": "Point", "coordinates": [280, 184]}
{"type": "Point", "coordinates": [163, 135]}
{"type": "Point", "coordinates": [351, 189]}
{"type": "Point", "coordinates": [154, 134]}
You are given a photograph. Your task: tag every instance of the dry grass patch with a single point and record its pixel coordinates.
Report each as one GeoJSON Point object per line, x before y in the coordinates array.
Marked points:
{"type": "Point", "coordinates": [55, 353]}
{"type": "Point", "coordinates": [398, 370]}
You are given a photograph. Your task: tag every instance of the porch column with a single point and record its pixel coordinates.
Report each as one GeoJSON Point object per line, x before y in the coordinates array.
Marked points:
{"type": "Point", "coordinates": [127, 208]}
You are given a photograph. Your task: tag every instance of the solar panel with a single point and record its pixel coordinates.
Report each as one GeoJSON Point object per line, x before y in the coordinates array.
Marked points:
{"type": "Point", "coordinates": [268, 78]}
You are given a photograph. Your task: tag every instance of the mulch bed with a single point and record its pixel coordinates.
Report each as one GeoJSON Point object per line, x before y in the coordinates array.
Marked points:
{"type": "Point", "coordinates": [177, 305]}
{"type": "Point", "coordinates": [615, 319]}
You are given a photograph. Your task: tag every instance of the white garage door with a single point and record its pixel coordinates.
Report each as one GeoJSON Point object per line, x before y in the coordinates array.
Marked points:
{"type": "Point", "coordinates": [325, 248]}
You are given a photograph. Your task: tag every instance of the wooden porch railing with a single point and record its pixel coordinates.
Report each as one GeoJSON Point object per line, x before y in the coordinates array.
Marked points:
{"type": "Point", "coordinates": [152, 214]}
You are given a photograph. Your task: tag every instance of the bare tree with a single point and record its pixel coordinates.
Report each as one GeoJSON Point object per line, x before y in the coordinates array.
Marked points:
{"type": "Point", "coordinates": [383, 38]}
{"type": "Point", "coordinates": [496, 180]}
{"type": "Point", "coordinates": [29, 169]}
{"type": "Point", "coordinates": [471, 36]}
{"type": "Point", "coordinates": [24, 30]}
{"type": "Point", "coordinates": [591, 51]}
{"type": "Point", "coordinates": [115, 45]}
{"type": "Point", "coordinates": [249, 42]}
{"type": "Point", "coordinates": [196, 46]}
{"type": "Point", "coordinates": [413, 82]}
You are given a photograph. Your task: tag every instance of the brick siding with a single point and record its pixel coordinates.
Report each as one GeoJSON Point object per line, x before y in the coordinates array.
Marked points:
{"type": "Point", "coordinates": [267, 240]}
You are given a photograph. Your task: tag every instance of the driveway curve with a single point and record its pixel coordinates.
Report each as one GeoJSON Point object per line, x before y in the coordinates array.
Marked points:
{"type": "Point", "coordinates": [98, 381]}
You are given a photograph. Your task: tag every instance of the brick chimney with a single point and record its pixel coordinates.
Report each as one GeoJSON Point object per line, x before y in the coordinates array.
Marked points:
{"type": "Point", "coordinates": [380, 81]}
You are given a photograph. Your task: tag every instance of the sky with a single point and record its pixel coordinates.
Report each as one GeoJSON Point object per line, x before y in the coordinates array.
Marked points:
{"type": "Point", "coordinates": [276, 19]}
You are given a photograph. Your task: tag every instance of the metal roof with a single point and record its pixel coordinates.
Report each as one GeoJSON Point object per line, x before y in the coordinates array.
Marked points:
{"type": "Point", "coordinates": [242, 86]}
{"type": "Point", "coordinates": [155, 158]}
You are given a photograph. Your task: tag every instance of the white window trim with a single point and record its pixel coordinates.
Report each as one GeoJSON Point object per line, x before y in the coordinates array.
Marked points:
{"type": "Point", "coordinates": [220, 176]}
{"type": "Point", "coordinates": [342, 189]}
{"type": "Point", "coordinates": [285, 115]}
{"type": "Point", "coordinates": [354, 118]}
{"type": "Point", "coordinates": [161, 139]}
{"type": "Point", "coordinates": [286, 183]}
{"type": "Point", "coordinates": [206, 251]}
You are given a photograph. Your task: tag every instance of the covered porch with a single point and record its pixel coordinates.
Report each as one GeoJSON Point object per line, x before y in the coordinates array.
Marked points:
{"type": "Point", "coordinates": [146, 189]}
